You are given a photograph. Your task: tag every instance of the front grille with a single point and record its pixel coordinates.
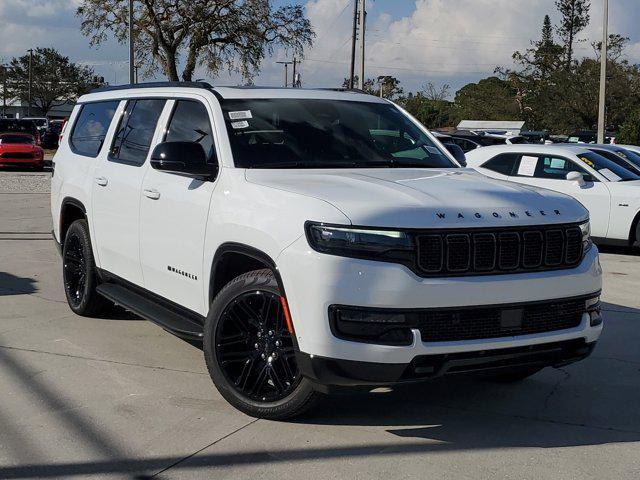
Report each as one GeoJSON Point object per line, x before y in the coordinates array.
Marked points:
{"type": "Point", "coordinates": [16, 155]}
{"type": "Point", "coordinates": [499, 251]}
{"type": "Point", "coordinates": [499, 321]}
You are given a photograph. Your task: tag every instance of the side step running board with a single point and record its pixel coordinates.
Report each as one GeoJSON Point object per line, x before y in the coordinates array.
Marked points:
{"type": "Point", "coordinates": [178, 324]}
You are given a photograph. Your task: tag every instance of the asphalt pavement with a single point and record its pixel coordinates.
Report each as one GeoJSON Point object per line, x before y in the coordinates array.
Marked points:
{"type": "Point", "coordinates": [118, 397]}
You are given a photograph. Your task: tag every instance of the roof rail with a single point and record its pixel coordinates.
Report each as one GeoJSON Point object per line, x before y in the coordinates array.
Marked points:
{"type": "Point", "coordinates": [342, 89]}
{"type": "Point", "coordinates": [130, 86]}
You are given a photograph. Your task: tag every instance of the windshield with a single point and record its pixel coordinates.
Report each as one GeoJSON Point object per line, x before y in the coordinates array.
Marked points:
{"type": "Point", "coordinates": [16, 139]}
{"type": "Point", "coordinates": [305, 133]}
{"type": "Point", "coordinates": [608, 169]}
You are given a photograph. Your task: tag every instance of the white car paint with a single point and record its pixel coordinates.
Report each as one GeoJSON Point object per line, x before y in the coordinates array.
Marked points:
{"type": "Point", "coordinates": [614, 206]}
{"type": "Point", "coordinates": [138, 236]}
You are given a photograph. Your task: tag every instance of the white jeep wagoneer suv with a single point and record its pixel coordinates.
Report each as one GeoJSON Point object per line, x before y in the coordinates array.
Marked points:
{"type": "Point", "coordinates": [313, 240]}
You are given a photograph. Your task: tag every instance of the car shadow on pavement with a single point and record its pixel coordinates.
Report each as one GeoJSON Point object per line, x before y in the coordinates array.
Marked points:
{"type": "Point", "coordinates": [592, 402]}
{"type": "Point", "coordinates": [13, 285]}
{"type": "Point", "coordinates": [617, 250]}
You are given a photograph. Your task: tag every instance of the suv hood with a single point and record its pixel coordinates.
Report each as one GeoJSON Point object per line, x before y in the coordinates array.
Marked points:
{"type": "Point", "coordinates": [424, 198]}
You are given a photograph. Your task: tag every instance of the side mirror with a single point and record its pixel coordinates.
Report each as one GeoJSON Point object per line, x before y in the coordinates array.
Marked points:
{"type": "Point", "coordinates": [457, 153]}
{"type": "Point", "coordinates": [185, 158]}
{"type": "Point", "coordinates": [576, 177]}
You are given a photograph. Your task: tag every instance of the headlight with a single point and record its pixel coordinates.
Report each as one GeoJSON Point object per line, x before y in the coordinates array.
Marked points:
{"type": "Point", "coordinates": [391, 245]}
{"type": "Point", "coordinates": [585, 228]}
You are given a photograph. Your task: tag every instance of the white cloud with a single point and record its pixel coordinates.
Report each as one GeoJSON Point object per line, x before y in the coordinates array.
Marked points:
{"type": "Point", "coordinates": [440, 40]}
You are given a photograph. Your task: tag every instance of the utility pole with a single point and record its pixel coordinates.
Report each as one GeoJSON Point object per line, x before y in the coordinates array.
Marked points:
{"type": "Point", "coordinates": [353, 43]}
{"type": "Point", "coordinates": [286, 64]}
{"type": "Point", "coordinates": [132, 77]}
{"type": "Point", "coordinates": [30, 80]}
{"type": "Point", "coordinates": [363, 15]}
{"type": "Point", "coordinates": [293, 77]}
{"type": "Point", "coordinates": [603, 72]}
{"type": "Point", "coordinates": [5, 71]}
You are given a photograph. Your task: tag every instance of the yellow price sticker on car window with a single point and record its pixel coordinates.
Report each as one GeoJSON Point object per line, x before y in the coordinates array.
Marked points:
{"type": "Point", "coordinates": [587, 161]}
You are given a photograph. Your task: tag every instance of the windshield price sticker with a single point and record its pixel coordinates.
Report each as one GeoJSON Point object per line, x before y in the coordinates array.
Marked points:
{"type": "Point", "coordinates": [609, 175]}
{"type": "Point", "coordinates": [527, 166]}
{"type": "Point", "coordinates": [240, 115]}
{"type": "Point", "coordinates": [238, 125]}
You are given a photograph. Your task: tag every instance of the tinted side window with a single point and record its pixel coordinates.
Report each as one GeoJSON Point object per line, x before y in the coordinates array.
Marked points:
{"type": "Point", "coordinates": [135, 131]}
{"type": "Point", "coordinates": [190, 123]}
{"type": "Point", "coordinates": [91, 127]}
{"type": "Point", "coordinates": [502, 163]}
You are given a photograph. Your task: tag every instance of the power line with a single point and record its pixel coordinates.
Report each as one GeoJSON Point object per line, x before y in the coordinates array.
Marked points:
{"type": "Point", "coordinates": [393, 67]}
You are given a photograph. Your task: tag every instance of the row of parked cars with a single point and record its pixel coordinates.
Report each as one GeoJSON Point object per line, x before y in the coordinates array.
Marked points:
{"type": "Point", "coordinates": [604, 178]}
{"type": "Point", "coordinates": [22, 141]}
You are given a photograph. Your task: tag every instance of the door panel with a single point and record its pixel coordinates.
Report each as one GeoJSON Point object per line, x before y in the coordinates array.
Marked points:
{"type": "Point", "coordinates": [116, 190]}
{"type": "Point", "coordinates": [549, 172]}
{"type": "Point", "coordinates": [174, 212]}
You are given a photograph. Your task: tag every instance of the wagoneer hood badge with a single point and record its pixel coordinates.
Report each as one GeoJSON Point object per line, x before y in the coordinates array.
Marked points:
{"type": "Point", "coordinates": [420, 198]}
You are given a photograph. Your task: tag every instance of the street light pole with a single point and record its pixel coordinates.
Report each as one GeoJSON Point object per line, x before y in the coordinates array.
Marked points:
{"type": "Point", "coordinates": [603, 72]}
{"type": "Point", "coordinates": [5, 71]}
{"type": "Point", "coordinates": [132, 75]}
{"type": "Point", "coordinates": [30, 80]}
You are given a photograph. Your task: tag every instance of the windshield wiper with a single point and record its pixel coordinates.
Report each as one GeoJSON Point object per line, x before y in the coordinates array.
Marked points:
{"type": "Point", "coordinates": [300, 164]}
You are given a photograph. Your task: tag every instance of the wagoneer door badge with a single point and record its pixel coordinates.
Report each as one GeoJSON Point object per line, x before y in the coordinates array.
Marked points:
{"type": "Point", "coordinates": [182, 272]}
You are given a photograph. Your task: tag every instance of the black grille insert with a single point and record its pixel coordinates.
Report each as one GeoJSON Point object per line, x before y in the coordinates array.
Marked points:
{"type": "Point", "coordinates": [498, 321]}
{"type": "Point", "coordinates": [500, 251]}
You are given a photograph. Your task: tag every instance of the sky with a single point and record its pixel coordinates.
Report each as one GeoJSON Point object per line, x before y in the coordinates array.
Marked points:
{"type": "Point", "coordinates": [450, 42]}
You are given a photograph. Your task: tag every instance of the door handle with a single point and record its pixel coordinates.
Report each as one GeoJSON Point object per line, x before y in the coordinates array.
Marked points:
{"type": "Point", "coordinates": [152, 194]}
{"type": "Point", "coordinates": [102, 181]}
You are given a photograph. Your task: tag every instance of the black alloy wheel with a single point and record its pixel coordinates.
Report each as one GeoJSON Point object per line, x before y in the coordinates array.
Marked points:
{"type": "Point", "coordinates": [79, 271]}
{"type": "Point", "coordinates": [75, 269]}
{"type": "Point", "coordinates": [251, 352]}
{"type": "Point", "coordinates": [255, 349]}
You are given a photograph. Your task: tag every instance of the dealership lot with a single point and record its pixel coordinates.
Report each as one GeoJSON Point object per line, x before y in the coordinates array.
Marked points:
{"type": "Point", "coordinates": [118, 397]}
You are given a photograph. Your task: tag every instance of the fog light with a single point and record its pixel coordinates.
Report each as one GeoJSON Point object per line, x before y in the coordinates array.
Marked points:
{"type": "Point", "coordinates": [593, 309]}
{"type": "Point", "coordinates": [370, 326]}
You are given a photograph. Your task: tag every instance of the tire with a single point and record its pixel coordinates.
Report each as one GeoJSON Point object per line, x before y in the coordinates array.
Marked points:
{"type": "Point", "coordinates": [79, 271]}
{"type": "Point", "coordinates": [514, 376]}
{"type": "Point", "coordinates": [252, 360]}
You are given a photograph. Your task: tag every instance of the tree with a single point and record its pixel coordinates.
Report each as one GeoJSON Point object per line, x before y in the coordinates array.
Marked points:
{"type": "Point", "coordinates": [630, 130]}
{"type": "Point", "coordinates": [55, 79]}
{"type": "Point", "coordinates": [429, 105]}
{"type": "Point", "coordinates": [490, 99]}
{"type": "Point", "coordinates": [434, 94]}
{"type": "Point", "coordinates": [236, 34]}
{"type": "Point", "coordinates": [575, 16]}
{"type": "Point", "coordinates": [391, 88]}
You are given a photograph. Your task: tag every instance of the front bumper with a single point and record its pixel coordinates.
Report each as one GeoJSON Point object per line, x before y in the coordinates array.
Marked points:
{"type": "Point", "coordinates": [314, 281]}
{"type": "Point", "coordinates": [347, 373]}
{"type": "Point", "coordinates": [15, 162]}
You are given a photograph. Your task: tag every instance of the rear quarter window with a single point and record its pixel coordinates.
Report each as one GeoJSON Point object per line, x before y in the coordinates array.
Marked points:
{"type": "Point", "coordinates": [503, 163]}
{"type": "Point", "coordinates": [90, 129]}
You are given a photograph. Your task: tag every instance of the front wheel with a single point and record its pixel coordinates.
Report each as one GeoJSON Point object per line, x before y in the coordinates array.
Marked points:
{"type": "Point", "coordinates": [250, 352]}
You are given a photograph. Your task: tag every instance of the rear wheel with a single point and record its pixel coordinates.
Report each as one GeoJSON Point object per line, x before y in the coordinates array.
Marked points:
{"type": "Point", "coordinates": [79, 271]}
{"type": "Point", "coordinates": [250, 352]}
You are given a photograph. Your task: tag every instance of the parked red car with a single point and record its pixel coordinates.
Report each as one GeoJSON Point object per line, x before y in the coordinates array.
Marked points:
{"type": "Point", "coordinates": [20, 149]}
